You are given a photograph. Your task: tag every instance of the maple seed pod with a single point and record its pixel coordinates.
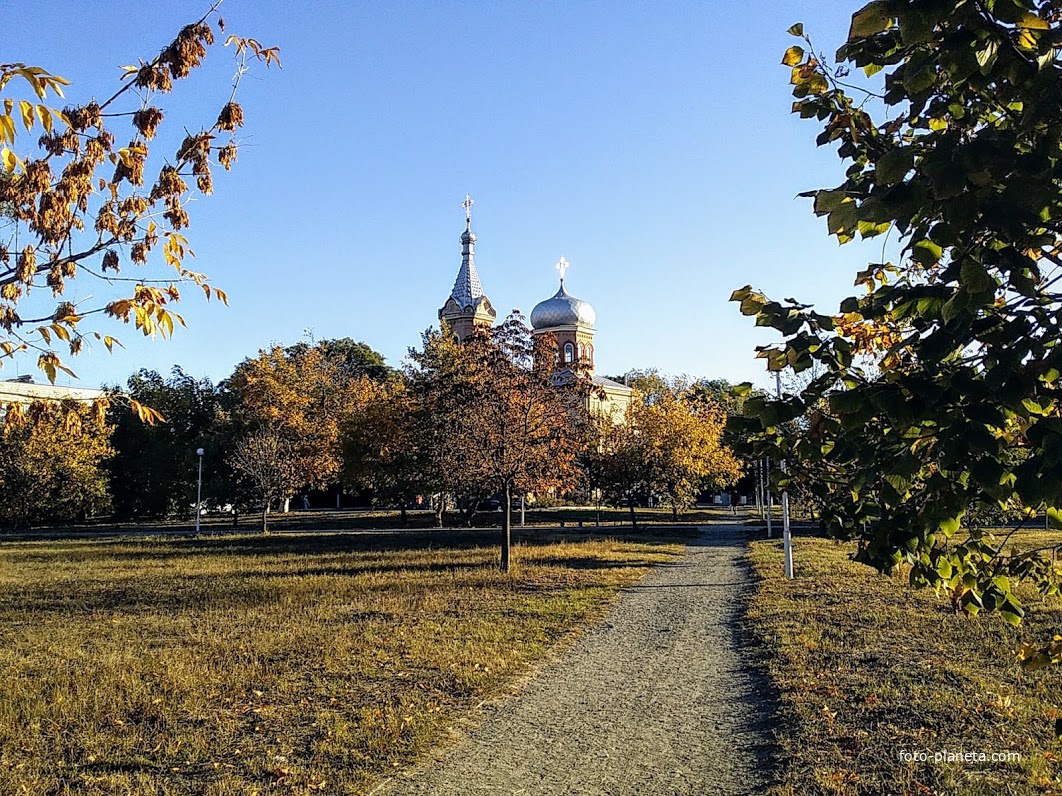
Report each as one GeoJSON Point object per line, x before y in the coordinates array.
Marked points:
{"type": "Point", "coordinates": [230, 118]}
{"type": "Point", "coordinates": [147, 120]}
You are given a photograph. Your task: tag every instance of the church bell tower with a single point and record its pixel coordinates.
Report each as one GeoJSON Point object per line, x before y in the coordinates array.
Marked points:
{"type": "Point", "coordinates": [467, 308]}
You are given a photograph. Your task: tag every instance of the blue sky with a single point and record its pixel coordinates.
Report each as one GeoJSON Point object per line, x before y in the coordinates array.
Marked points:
{"type": "Point", "coordinates": [650, 143]}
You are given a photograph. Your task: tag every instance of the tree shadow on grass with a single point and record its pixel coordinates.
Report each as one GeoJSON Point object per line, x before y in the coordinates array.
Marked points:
{"type": "Point", "coordinates": [257, 584]}
{"type": "Point", "coordinates": [142, 548]}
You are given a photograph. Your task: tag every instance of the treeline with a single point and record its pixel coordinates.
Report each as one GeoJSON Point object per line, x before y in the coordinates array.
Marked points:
{"type": "Point", "coordinates": [461, 423]}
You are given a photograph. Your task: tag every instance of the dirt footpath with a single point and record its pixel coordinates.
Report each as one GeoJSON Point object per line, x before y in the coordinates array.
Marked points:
{"type": "Point", "coordinates": [656, 700]}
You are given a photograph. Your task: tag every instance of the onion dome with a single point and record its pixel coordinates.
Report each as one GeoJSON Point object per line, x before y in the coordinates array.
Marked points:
{"type": "Point", "coordinates": [562, 309]}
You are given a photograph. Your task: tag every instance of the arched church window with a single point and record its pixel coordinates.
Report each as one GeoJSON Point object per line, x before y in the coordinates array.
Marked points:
{"type": "Point", "coordinates": [589, 353]}
{"type": "Point", "coordinates": [569, 352]}
{"type": "Point", "coordinates": [580, 346]}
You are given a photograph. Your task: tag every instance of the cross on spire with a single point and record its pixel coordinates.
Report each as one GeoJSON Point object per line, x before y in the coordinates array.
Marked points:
{"type": "Point", "coordinates": [467, 204]}
{"type": "Point", "coordinates": [562, 267]}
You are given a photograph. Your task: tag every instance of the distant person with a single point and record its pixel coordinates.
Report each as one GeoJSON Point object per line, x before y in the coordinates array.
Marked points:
{"type": "Point", "coordinates": [733, 502]}
{"type": "Point", "coordinates": [305, 502]}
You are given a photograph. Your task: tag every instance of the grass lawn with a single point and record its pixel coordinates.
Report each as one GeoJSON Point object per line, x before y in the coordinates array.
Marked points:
{"type": "Point", "coordinates": [277, 664]}
{"type": "Point", "coordinates": [867, 667]}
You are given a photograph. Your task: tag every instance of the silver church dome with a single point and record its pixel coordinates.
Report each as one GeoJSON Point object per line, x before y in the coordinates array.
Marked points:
{"type": "Point", "coordinates": [562, 310]}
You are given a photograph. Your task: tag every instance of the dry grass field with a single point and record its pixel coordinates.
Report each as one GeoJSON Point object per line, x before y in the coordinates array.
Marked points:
{"type": "Point", "coordinates": [279, 664]}
{"type": "Point", "coordinates": [867, 667]}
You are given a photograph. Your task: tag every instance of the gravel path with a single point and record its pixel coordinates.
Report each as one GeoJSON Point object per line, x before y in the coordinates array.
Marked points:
{"type": "Point", "coordinates": [655, 700]}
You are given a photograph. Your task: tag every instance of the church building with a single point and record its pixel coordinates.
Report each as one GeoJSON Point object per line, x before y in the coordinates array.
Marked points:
{"type": "Point", "coordinates": [570, 320]}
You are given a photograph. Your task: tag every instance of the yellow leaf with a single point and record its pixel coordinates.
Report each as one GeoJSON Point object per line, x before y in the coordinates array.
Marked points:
{"type": "Point", "coordinates": [7, 128]}
{"type": "Point", "coordinates": [1032, 22]}
{"type": "Point", "coordinates": [27, 114]}
{"type": "Point", "coordinates": [793, 56]}
{"type": "Point", "coordinates": [45, 115]}
{"type": "Point", "coordinates": [9, 159]}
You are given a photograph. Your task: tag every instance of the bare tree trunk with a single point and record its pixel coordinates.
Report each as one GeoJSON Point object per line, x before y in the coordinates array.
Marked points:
{"type": "Point", "coordinates": [507, 525]}
{"type": "Point", "coordinates": [674, 512]}
{"type": "Point", "coordinates": [440, 507]}
{"type": "Point", "coordinates": [634, 521]}
{"type": "Point", "coordinates": [265, 517]}
{"type": "Point", "coordinates": [402, 510]}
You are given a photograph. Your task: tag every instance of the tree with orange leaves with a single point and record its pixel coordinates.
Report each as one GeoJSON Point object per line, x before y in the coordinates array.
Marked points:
{"type": "Point", "coordinates": [82, 204]}
{"type": "Point", "coordinates": [496, 418]}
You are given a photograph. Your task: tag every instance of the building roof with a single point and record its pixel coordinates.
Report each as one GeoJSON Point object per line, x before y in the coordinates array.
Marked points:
{"type": "Point", "coordinates": [25, 390]}
{"type": "Point", "coordinates": [562, 310]}
{"type": "Point", "coordinates": [601, 381]}
{"type": "Point", "coordinates": [467, 287]}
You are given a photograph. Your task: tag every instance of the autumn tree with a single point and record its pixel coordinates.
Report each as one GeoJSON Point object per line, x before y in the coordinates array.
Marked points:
{"type": "Point", "coordinates": [383, 448]}
{"type": "Point", "coordinates": [52, 465]}
{"type": "Point", "coordinates": [86, 198]}
{"type": "Point", "coordinates": [670, 444]}
{"type": "Point", "coordinates": [305, 394]}
{"type": "Point", "coordinates": [266, 462]}
{"type": "Point", "coordinates": [503, 421]}
{"type": "Point", "coordinates": [948, 360]}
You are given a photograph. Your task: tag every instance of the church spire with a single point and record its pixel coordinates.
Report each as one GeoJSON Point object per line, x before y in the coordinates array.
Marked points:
{"type": "Point", "coordinates": [468, 307]}
{"type": "Point", "coordinates": [467, 287]}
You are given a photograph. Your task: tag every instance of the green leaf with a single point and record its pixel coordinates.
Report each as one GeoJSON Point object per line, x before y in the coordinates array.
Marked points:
{"type": "Point", "coordinates": [986, 56]}
{"type": "Point", "coordinates": [796, 30]}
{"type": "Point", "coordinates": [944, 568]}
{"type": "Point", "coordinates": [893, 166]}
{"type": "Point", "coordinates": [1012, 613]}
{"type": "Point", "coordinates": [1033, 406]}
{"type": "Point", "coordinates": [826, 201]}
{"type": "Point", "coordinates": [951, 524]}
{"type": "Point", "coordinates": [975, 278]}
{"type": "Point", "coordinates": [1054, 518]}
{"type": "Point", "coordinates": [955, 305]}
{"type": "Point", "coordinates": [870, 19]}
{"type": "Point", "coordinates": [926, 252]}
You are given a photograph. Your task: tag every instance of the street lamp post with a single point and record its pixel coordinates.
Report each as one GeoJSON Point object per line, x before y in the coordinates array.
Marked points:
{"type": "Point", "coordinates": [199, 490]}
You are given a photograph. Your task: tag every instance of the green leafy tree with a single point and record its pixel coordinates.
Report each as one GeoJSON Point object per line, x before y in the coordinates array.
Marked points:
{"type": "Point", "coordinates": [155, 467]}
{"type": "Point", "coordinates": [949, 359]}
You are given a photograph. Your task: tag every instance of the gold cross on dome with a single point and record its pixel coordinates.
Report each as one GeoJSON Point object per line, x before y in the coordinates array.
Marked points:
{"type": "Point", "coordinates": [562, 266]}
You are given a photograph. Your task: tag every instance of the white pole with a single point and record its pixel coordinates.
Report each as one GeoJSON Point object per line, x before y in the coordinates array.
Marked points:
{"type": "Point", "coordinates": [522, 511]}
{"type": "Point", "coordinates": [199, 491]}
{"type": "Point", "coordinates": [770, 500]}
{"type": "Point", "coordinates": [759, 486]}
{"type": "Point", "coordinates": [787, 540]}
